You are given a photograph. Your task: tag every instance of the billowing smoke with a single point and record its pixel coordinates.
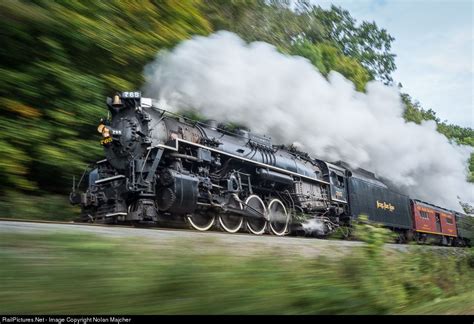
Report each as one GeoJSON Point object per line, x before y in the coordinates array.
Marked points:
{"type": "Point", "coordinates": [286, 98]}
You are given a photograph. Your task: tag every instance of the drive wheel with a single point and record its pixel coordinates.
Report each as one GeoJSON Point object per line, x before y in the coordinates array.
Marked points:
{"type": "Point", "coordinates": [256, 222]}
{"type": "Point", "coordinates": [278, 217]}
{"type": "Point", "coordinates": [201, 221]}
{"type": "Point", "coordinates": [230, 222]}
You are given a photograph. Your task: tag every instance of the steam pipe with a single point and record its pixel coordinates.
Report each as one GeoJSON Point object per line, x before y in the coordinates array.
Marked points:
{"type": "Point", "coordinates": [184, 156]}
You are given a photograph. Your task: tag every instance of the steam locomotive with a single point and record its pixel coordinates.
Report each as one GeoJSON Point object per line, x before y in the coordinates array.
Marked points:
{"type": "Point", "coordinates": [162, 168]}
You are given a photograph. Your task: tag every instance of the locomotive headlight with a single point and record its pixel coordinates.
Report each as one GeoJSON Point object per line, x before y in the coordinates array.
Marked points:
{"type": "Point", "coordinates": [103, 130]}
{"type": "Point", "coordinates": [106, 132]}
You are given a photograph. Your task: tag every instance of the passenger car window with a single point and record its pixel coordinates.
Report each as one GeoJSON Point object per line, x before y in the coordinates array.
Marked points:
{"type": "Point", "coordinates": [424, 214]}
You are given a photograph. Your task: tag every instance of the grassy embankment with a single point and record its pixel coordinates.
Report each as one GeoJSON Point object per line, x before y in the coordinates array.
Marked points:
{"type": "Point", "coordinates": [52, 208]}
{"type": "Point", "coordinates": [85, 274]}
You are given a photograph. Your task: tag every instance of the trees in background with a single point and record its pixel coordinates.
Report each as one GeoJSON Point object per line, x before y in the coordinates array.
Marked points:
{"type": "Point", "coordinates": [331, 39]}
{"type": "Point", "coordinates": [60, 59]}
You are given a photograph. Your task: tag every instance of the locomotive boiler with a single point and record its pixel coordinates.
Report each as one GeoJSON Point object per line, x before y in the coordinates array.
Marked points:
{"type": "Point", "coordinates": [161, 167]}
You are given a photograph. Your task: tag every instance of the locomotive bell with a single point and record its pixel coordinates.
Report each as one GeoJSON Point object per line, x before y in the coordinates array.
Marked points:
{"type": "Point", "coordinates": [117, 102]}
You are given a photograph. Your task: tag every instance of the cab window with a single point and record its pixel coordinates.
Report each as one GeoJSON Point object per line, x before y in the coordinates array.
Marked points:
{"type": "Point", "coordinates": [340, 181]}
{"type": "Point", "coordinates": [337, 180]}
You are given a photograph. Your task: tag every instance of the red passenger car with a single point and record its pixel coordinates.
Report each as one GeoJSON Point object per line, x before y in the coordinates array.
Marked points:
{"type": "Point", "coordinates": [430, 221]}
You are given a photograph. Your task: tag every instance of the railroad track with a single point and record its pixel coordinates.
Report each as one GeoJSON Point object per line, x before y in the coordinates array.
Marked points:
{"type": "Point", "coordinates": [238, 243]}
{"type": "Point", "coordinates": [241, 244]}
{"type": "Point", "coordinates": [140, 227]}
{"type": "Point", "coordinates": [41, 221]}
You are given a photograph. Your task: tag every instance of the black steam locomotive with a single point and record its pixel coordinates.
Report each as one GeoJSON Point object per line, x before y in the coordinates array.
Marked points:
{"type": "Point", "coordinates": [162, 167]}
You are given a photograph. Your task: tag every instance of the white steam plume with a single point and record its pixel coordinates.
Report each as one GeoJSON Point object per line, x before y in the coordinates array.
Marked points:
{"type": "Point", "coordinates": [313, 225]}
{"type": "Point", "coordinates": [285, 97]}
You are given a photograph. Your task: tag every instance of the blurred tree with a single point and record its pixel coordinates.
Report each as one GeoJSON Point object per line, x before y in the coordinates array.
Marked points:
{"type": "Point", "coordinates": [59, 59]}
{"type": "Point", "coordinates": [367, 43]}
{"type": "Point", "coordinates": [258, 20]}
{"type": "Point", "coordinates": [415, 113]}
{"type": "Point", "coordinates": [286, 24]}
{"type": "Point", "coordinates": [328, 58]}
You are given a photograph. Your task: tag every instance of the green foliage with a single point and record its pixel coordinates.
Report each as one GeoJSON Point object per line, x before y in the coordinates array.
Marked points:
{"type": "Point", "coordinates": [328, 58]}
{"type": "Point", "coordinates": [363, 51]}
{"type": "Point", "coordinates": [468, 209]}
{"type": "Point", "coordinates": [260, 20]}
{"type": "Point", "coordinates": [59, 60]}
{"type": "Point", "coordinates": [84, 274]}
{"type": "Point", "coordinates": [365, 42]}
{"type": "Point", "coordinates": [373, 234]}
{"type": "Point", "coordinates": [21, 206]}
{"type": "Point", "coordinates": [414, 112]}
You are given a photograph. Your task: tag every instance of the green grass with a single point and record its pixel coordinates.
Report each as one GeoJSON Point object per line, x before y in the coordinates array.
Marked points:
{"type": "Point", "coordinates": [85, 274]}
{"type": "Point", "coordinates": [458, 305]}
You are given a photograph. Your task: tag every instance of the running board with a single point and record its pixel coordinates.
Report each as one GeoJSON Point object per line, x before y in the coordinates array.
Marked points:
{"type": "Point", "coordinates": [117, 177]}
{"type": "Point", "coordinates": [115, 214]}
